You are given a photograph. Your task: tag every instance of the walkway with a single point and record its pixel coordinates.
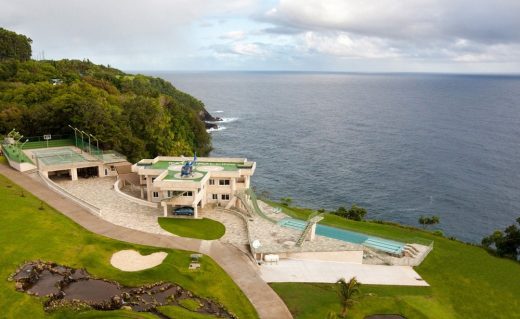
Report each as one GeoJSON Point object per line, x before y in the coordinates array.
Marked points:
{"type": "Point", "coordinates": [294, 270]}
{"type": "Point", "coordinates": [115, 208]}
{"type": "Point", "coordinates": [267, 303]}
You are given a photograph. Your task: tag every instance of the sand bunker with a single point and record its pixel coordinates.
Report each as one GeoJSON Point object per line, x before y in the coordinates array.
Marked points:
{"type": "Point", "coordinates": [131, 260]}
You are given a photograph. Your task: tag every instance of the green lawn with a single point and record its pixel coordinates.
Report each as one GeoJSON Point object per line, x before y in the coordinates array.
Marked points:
{"type": "Point", "coordinates": [466, 281]}
{"type": "Point", "coordinates": [194, 228]}
{"type": "Point", "coordinates": [181, 313]}
{"type": "Point", "coordinates": [28, 233]}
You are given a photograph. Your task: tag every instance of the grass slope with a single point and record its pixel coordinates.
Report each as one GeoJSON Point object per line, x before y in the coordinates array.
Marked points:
{"type": "Point", "coordinates": [181, 313]}
{"type": "Point", "coordinates": [28, 233]}
{"type": "Point", "coordinates": [466, 281]}
{"type": "Point", "coordinates": [194, 228]}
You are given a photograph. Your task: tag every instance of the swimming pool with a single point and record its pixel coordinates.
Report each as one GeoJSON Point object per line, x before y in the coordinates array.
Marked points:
{"type": "Point", "coordinates": [389, 246]}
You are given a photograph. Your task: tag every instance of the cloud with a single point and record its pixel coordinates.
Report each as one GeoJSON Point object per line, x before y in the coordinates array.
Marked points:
{"type": "Point", "coordinates": [346, 45]}
{"type": "Point", "coordinates": [247, 49]}
{"type": "Point", "coordinates": [234, 35]}
{"type": "Point", "coordinates": [114, 30]}
{"type": "Point", "coordinates": [456, 30]}
{"type": "Point", "coordinates": [397, 35]}
{"type": "Point", "coordinates": [484, 20]}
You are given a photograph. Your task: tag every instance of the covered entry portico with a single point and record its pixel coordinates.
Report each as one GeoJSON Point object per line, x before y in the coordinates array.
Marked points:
{"type": "Point", "coordinates": [177, 202]}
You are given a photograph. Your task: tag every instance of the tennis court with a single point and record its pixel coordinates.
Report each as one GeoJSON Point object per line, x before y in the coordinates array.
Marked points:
{"type": "Point", "coordinates": [58, 156]}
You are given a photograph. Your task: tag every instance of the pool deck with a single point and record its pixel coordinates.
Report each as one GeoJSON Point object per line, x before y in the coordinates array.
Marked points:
{"type": "Point", "coordinates": [294, 270]}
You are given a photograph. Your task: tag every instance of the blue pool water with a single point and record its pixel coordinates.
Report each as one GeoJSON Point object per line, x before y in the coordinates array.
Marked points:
{"type": "Point", "coordinates": [386, 245]}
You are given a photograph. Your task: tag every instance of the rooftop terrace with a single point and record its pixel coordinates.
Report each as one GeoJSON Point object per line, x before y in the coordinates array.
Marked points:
{"type": "Point", "coordinates": [226, 166]}
{"type": "Point", "coordinates": [176, 175]}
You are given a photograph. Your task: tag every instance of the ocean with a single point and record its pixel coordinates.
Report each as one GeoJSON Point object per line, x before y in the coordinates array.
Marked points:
{"type": "Point", "coordinates": [400, 145]}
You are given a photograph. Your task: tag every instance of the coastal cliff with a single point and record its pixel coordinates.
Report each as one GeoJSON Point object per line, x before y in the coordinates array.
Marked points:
{"type": "Point", "coordinates": [137, 115]}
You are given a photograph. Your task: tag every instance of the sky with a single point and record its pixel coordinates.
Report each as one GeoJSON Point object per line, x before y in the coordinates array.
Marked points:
{"type": "Point", "coordinates": [445, 36]}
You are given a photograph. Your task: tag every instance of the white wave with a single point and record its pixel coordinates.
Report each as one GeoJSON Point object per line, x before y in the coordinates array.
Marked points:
{"type": "Point", "coordinates": [225, 120]}
{"type": "Point", "coordinates": [220, 128]}
{"type": "Point", "coordinates": [219, 111]}
{"type": "Point", "coordinates": [229, 119]}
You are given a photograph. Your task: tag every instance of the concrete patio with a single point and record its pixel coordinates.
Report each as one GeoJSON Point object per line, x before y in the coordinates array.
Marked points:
{"type": "Point", "coordinates": [114, 208]}
{"type": "Point", "coordinates": [293, 270]}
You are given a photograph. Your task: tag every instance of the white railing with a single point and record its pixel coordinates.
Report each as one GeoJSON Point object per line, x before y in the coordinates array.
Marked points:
{"type": "Point", "coordinates": [62, 191]}
{"type": "Point", "coordinates": [132, 198]}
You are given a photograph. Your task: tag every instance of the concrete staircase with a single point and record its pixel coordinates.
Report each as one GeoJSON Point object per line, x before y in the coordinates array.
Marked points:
{"type": "Point", "coordinates": [410, 250]}
{"type": "Point", "coordinates": [312, 221]}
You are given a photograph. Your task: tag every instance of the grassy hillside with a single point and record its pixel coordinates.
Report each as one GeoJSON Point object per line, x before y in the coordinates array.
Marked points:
{"type": "Point", "coordinates": [137, 115]}
{"type": "Point", "coordinates": [28, 233]}
{"type": "Point", "coordinates": [466, 281]}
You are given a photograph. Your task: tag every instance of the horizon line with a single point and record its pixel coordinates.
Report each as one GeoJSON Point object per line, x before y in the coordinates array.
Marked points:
{"type": "Point", "coordinates": [516, 74]}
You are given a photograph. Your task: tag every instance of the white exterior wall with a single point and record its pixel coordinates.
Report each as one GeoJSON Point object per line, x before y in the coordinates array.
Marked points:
{"type": "Point", "coordinates": [202, 191]}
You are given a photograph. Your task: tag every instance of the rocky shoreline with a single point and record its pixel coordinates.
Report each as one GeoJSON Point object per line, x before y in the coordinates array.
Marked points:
{"type": "Point", "coordinates": [209, 120]}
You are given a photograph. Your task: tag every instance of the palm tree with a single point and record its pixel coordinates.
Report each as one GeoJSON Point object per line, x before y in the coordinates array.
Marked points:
{"type": "Point", "coordinates": [332, 315]}
{"type": "Point", "coordinates": [346, 293]}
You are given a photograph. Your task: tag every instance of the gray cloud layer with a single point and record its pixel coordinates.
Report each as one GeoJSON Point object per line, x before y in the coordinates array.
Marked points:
{"type": "Point", "coordinates": [484, 21]}
{"type": "Point", "coordinates": [396, 35]}
{"type": "Point", "coordinates": [453, 31]}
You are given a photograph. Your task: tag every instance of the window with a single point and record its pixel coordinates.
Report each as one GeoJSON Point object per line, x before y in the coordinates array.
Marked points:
{"type": "Point", "coordinates": [155, 194]}
{"type": "Point", "coordinates": [223, 182]}
{"type": "Point", "coordinates": [214, 196]}
{"type": "Point", "coordinates": [188, 194]}
{"type": "Point", "coordinates": [106, 172]}
{"type": "Point", "coordinates": [212, 182]}
{"type": "Point", "coordinates": [170, 193]}
{"type": "Point", "coordinates": [224, 196]}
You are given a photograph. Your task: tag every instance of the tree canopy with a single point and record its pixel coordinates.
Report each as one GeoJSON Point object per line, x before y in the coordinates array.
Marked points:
{"type": "Point", "coordinates": [137, 115]}
{"type": "Point", "coordinates": [427, 221]}
{"type": "Point", "coordinates": [355, 212]}
{"type": "Point", "coordinates": [505, 244]}
{"type": "Point", "coordinates": [14, 46]}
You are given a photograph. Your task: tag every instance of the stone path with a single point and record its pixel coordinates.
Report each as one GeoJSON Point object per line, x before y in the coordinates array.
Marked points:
{"type": "Point", "coordinates": [236, 232]}
{"type": "Point", "coordinates": [245, 274]}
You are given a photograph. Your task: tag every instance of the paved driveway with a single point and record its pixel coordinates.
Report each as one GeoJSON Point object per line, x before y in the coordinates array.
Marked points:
{"type": "Point", "coordinates": [115, 208]}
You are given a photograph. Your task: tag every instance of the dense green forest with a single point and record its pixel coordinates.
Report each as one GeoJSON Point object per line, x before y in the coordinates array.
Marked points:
{"type": "Point", "coordinates": [14, 46]}
{"type": "Point", "coordinates": [137, 115]}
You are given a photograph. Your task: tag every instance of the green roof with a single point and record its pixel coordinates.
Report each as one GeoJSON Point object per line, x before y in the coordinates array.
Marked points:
{"type": "Point", "coordinates": [225, 165]}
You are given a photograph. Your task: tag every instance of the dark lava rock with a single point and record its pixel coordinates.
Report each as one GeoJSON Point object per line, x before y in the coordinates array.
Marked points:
{"type": "Point", "coordinates": [79, 274]}
{"type": "Point", "coordinates": [76, 289]}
